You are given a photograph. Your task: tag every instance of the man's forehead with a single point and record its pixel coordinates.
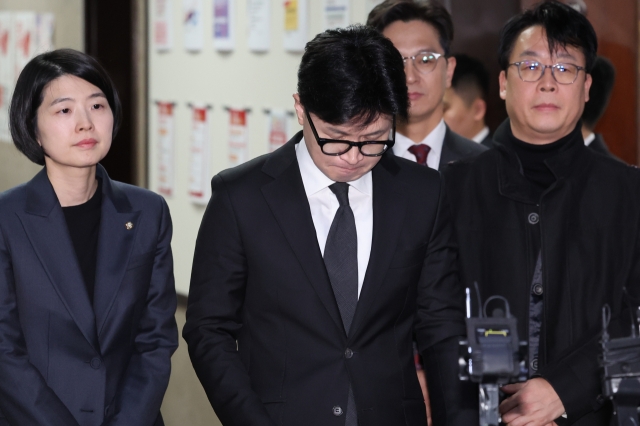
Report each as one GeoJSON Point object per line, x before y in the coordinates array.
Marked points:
{"type": "Point", "coordinates": [532, 42]}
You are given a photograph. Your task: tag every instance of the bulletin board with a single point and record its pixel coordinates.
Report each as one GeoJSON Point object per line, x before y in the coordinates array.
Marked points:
{"type": "Point", "coordinates": [202, 73]}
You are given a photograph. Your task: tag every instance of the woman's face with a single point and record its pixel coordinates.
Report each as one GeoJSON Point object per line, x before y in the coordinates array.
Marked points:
{"type": "Point", "coordinates": [74, 124]}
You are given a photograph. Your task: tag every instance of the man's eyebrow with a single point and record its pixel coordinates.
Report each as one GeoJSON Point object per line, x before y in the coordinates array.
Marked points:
{"type": "Point", "coordinates": [529, 53]}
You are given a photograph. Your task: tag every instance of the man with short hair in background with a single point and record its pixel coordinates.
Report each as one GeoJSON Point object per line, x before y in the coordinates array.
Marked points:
{"type": "Point", "coordinates": [549, 224]}
{"type": "Point", "coordinates": [603, 76]}
{"type": "Point", "coordinates": [422, 32]}
{"type": "Point", "coordinates": [465, 102]}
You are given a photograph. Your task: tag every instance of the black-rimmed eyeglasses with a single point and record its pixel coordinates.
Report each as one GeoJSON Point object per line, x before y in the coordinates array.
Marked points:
{"type": "Point", "coordinates": [339, 146]}
{"type": "Point", "coordinates": [532, 71]}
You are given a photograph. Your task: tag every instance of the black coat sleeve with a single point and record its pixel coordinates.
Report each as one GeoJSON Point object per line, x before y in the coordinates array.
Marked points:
{"type": "Point", "coordinates": [214, 314]}
{"type": "Point", "coordinates": [440, 325]}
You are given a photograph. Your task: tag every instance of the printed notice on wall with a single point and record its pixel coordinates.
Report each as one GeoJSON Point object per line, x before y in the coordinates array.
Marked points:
{"type": "Point", "coordinates": [277, 128]}
{"type": "Point", "coordinates": [224, 24]}
{"type": "Point", "coordinates": [7, 69]}
{"type": "Point", "coordinates": [193, 25]}
{"type": "Point", "coordinates": [238, 137]}
{"type": "Point", "coordinates": [258, 19]}
{"type": "Point", "coordinates": [336, 14]}
{"type": "Point", "coordinates": [296, 25]}
{"type": "Point", "coordinates": [45, 27]}
{"type": "Point", "coordinates": [166, 154]}
{"type": "Point", "coordinates": [199, 189]}
{"type": "Point", "coordinates": [25, 36]}
{"type": "Point", "coordinates": [163, 25]}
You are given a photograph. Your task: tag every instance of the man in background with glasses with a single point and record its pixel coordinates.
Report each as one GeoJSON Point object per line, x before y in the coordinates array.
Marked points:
{"type": "Point", "coordinates": [549, 224]}
{"type": "Point", "coordinates": [317, 263]}
{"type": "Point", "coordinates": [422, 32]}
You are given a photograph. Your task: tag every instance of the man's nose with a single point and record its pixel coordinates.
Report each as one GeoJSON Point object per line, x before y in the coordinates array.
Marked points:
{"type": "Point", "coordinates": [352, 156]}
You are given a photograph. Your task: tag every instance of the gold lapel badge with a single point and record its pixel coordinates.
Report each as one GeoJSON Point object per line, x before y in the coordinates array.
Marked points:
{"type": "Point", "coordinates": [129, 226]}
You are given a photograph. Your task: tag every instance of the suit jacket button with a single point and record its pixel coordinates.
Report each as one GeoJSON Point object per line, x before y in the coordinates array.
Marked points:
{"type": "Point", "coordinates": [537, 290]}
{"type": "Point", "coordinates": [534, 218]}
{"type": "Point", "coordinates": [95, 363]}
{"type": "Point", "coordinates": [348, 353]}
{"type": "Point", "coordinates": [337, 411]}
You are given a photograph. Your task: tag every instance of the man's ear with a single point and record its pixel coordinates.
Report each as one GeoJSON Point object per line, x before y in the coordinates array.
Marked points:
{"type": "Point", "coordinates": [451, 67]}
{"type": "Point", "coordinates": [502, 79]}
{"type": "Point", "coordinates": [479, 109]}
{"type": "Point", "coordinates": [587, 86]}
{"type": "Point", "coordinates": [299, 108]}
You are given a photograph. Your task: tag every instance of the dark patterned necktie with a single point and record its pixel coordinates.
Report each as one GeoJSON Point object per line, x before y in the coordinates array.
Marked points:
{"type": "Point", "coordinates": [341, 261]}
{"type": "Point", "coordinates": [421, 151]}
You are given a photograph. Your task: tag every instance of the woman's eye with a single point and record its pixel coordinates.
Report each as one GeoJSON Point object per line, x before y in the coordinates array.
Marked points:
{"type": "Point", "coordinates": [97, 106]}
{"type": "Point", "coordinates": [65, 110]}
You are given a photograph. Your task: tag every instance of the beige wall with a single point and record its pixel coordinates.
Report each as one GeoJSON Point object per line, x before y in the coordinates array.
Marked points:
{"type": "Point", "coordinates": [69, 32]}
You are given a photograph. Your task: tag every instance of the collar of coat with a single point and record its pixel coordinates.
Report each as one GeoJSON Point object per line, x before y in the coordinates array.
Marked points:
{"type": "Point", "coordinates": [569, 162]}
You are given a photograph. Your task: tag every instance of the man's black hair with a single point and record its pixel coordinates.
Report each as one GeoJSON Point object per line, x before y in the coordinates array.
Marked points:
{"type": "Point", "coordinates": [352, 73]}
{"type": "Point", "coordinates": [603, 77]}
{"type": "Point", "coordinates": [470, 79]}
{"type": "Point", "coordinates": [563, 25]}
{"type": "Point", "coordinates": [28, 94]}
{"type": "Point", "coordinates": [432, 13]}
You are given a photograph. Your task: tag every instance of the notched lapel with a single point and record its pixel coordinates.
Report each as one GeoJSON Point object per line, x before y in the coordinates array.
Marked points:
{"type": "Point", "coordinates": [45, 226]}
{"type": "Point", "coordinates": [389, 209]}
{"type": "Point", "coordinates": [119, 225]}
{"type": "Point", "coordinates": [288, 202]}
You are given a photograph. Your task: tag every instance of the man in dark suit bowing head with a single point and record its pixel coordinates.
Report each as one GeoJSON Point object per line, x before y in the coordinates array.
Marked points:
{"type": "Point", "coordinates": [315, 264]}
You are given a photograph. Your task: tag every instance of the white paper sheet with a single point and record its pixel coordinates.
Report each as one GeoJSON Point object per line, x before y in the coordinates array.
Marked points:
{"type": "Point", "coordinates": [278, 128]}
{"type": "Point", "coordinates": [336, 14]}
{"type": "Point", "coordinates": [296, 25]}
{"type": "Point", "coordinates": [166, 153]}
{"type": "Point", "coordinates": [193, 21]}
{"type": "Point", "coordinates": [199, 189]}
{"type": "Point", "coordinates": [238, 137]}
{"type": "Point", "coordinates": [7, 69]}
{"type": "Point", "coordinates": [224, 25]}
{"type": "Point", "coordinates": [25, 31]}
{"type": "Point", "coordinates": [258, 25]}
{"type": "Point", "coordinates": [163, 25]}
{"type": "Point", "coordinates": [45, 28]}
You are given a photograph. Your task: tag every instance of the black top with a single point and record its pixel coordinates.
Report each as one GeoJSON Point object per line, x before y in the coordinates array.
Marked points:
{"type": "Point", "coordinates": [533, 157]}
{"type": "Point", "coordinates": [83, 222]}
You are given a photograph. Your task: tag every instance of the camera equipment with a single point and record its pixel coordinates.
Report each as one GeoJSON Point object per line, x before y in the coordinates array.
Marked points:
{"type": "Point", "coordinates": [492, 355]}
{"type": "Point", "coordinates": [621, 371]}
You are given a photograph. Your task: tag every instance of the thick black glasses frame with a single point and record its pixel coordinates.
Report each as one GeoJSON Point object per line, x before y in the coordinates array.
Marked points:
{"type": "Point", "coordinates": [323, 141]}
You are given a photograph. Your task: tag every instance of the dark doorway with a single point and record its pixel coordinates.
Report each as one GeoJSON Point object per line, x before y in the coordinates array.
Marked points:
{"type": "Point", "coordinates": [108, 38]}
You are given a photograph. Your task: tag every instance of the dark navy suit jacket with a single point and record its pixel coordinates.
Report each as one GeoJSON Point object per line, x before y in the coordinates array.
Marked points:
{"type": "Point", "coordinates": [64, 361]}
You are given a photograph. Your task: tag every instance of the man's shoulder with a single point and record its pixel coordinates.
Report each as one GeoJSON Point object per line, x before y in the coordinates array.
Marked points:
{"type": "Point", "coordinates": [462, 146]}
{"type": "Point", "coordinates": [412, 172]}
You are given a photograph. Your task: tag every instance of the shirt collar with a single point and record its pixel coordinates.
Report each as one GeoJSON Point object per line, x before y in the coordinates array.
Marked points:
{"type": "Point", "coordinates": [481, 135]}
{"type": "Point", "coordinates": [434, 140]}
{"type": "Point", "coordinates": [315, 181]}
{"type": "Point", "coordinates": [589, 139]}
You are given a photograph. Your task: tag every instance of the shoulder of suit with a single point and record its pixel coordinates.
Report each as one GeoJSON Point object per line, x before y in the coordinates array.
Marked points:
{"type": "Point", "coordinates": [411, 170]}
{"type": "Point", "coordinates": [14, 196]}
{"type": "Point", "coordinates": [468, 165]}
{"type": "Point", "coordinates": [465, 146]}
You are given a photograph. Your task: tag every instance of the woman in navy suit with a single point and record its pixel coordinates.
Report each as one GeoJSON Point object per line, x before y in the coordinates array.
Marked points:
{"type": "Point", "coordinates": [87, 297]}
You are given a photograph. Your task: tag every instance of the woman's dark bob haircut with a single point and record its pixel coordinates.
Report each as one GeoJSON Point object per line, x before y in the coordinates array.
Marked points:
{"type": "Point", "coordinates": [36, 75]}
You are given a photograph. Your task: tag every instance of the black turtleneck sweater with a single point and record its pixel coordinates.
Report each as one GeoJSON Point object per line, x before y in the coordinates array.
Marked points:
{"type": "Point", "coordinates": [532, 157]}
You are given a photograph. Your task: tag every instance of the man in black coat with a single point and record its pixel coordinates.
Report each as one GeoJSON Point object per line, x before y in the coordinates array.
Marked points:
{"type": "Point", "coordinates": [549, 224]}
{"type": "Point", "coordinates": [316, 264]}
{"type": "Point", "coordinates": [422, 32]}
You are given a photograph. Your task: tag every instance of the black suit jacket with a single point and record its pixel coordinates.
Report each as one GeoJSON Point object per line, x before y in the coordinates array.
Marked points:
{"type": "Point", "coordinates": [487, 141]}
{"type": "Point", "coordinates": [264, 331]}
{"type": "Point", "coordinates": [66, 361]}
{"type": "Point", "coordinates": [455, 147]}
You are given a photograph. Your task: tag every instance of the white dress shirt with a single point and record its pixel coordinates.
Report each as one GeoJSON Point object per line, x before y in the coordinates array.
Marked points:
{"type": "Point", "coordinates": [589, 139]}
{"type": "Point", "coordinates": [481, 135]}
{"type": "Point", "coordinates": [324, 205]}
{"type": "Point", "coordinates": [434, 140]}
